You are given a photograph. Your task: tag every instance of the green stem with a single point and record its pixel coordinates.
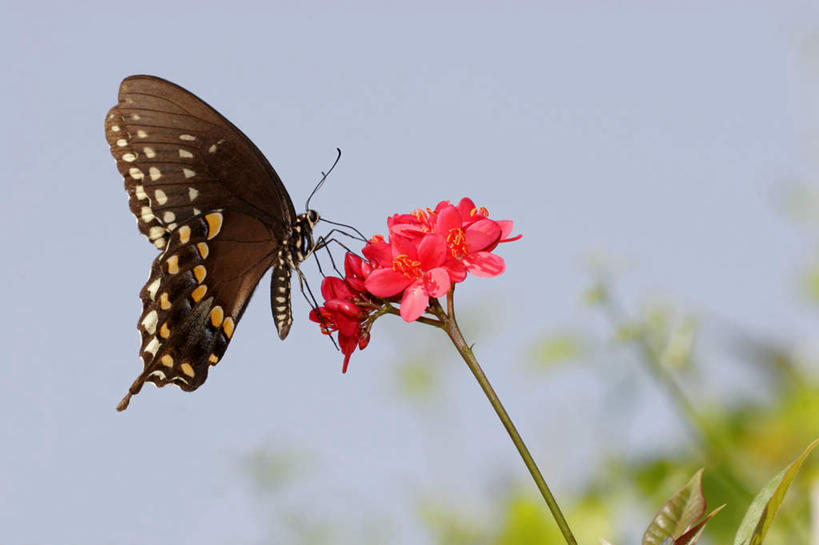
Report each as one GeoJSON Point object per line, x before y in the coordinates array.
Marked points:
{"type": "Point", "coordinates": [447, 318]}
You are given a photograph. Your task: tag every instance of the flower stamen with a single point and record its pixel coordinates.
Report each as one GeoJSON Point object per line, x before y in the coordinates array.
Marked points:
{"type": "Point", "coordinates": [456, 239]}
{"type": "Point", "coordinates": [408, 267]}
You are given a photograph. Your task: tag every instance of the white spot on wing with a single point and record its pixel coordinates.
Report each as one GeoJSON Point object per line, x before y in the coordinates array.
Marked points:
{"type": "Point", "coordinates": [153, 346]}
{"type": "Point", "coordinates": [155, 173]}
{"type": "Point", "coordinates": [188, 137]}
{"type": "Point", "coordinates": [185, 154]}
{"type": "Point", "coordinates": [149, 322]}
{"type": "Point", "coordinates": [142, 134]}
{"type": "Point", "coordinates": [168, 216]}
{"type": "Point", "coordinates": [139, 191]}
{"type": "Point", "coordinates": [188, 173]}
{"type": "Point", "coordinates": [149, 152]}
{"type": "Point", "coordinates": [192, 193]}
{"type": "Point", "coordinates": [153, 287]}
{"type": "Point", "coordinates": [156, 232]}
{"type": "Point", "coordinates": [115, 128]}
{"type": "Point", "coordinates": [129, 157]}
{"type": "Point", "coordinates": [161, 198]}
{"type": "Point", "coordinates": [122, 142]}
{"type": "Point", "coordinates": [146, 214]}
{"type": "Point", "coordinates": [135, 173]}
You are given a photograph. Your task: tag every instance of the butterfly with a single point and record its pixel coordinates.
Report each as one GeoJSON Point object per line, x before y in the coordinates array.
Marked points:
{"type": "Point", "coordinates": [220, 216]}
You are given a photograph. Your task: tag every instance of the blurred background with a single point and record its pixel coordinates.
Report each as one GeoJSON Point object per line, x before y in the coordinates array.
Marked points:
{"type": "Point", "coordinates": [659, 314]}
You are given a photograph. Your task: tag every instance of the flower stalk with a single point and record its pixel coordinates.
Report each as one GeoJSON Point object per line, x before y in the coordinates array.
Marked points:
{"type": "Point", "coordinates": [450, 325]}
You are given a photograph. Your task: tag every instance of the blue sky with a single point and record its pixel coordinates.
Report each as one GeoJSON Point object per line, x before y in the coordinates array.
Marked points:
{"type": "Point", "coordinates": [659, 136]}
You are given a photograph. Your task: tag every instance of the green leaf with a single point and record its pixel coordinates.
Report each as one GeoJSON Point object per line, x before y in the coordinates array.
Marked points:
{"type": "Point", "coordinates": [596, 295]}
{"type": "Point", "coordinates": [558, 348]}
{"type": "Point", "coordinates": [674, 518]}
{"type": "Point", "coordinates": [763, 509]}
{"type": "Point", "coordinates": [693, 535]}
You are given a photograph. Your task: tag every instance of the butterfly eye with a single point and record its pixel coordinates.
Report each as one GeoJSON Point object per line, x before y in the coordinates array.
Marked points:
{"type": "Point", "coordinates": [312, 217]}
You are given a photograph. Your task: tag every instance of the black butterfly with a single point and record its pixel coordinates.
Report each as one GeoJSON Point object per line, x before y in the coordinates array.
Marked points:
{"type": "Point", "coordinates": [206, 197]}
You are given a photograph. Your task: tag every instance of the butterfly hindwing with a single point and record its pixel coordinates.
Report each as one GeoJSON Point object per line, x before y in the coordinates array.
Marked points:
{"type": "Point", "coordinates": [196, 295]}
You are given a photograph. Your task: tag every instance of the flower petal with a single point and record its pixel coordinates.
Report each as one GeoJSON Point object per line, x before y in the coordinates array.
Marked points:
{"type": "Point", "coordinates": [456, 269]}
{"type": "Point", "coordinates": [346, 307]}
{"type": "Point", "coordinates": [436, 282]}
{"type": "Point", "coordinates": [348, 345]}
{"type": "Point", "coordinates": [485, 264]}
{"type": "Point", "coordinates": [432, 251]}
{"type": "Point", "coordinates": [386, 282]}
{"type": "Point", "coordinates": [378, 252]}
{"type": "Point", "coordinates": [482, 234]}
{"type": "Point", "coordinates": [352, 264]}
{"type": "Point", "coordinates": [333, 287]}
{"type": "Point", "coordinates": [465, 207]}
{"type": "Point", "coordinates": [448, 218]}
{"type": "Point", "coordinates": [414, 302]}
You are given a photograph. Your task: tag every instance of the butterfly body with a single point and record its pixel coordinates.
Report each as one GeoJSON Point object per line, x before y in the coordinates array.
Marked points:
{"type": "Point", "coordinates": [209, 200]}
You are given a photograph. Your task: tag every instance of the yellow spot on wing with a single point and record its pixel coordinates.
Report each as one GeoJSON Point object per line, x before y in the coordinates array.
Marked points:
{"type": "Point", "coordinates": [203, 249]}
{"type": "Point", "coordinates": [214, 220]}
{"type": "Point", "coordinates": [164, 331]}
{"type": "Point", "coordinates": [164, 302]}
{"type": "Point", "coordinates": [216, 316]}
{"type": "Point", "coordinates": [187, 369]}
{"type": "Point", "coordinates": [167, 360]}
{"type": "Point", "coordinates": [199, 272]}
{"type": "Point", "coordinates": [199, 292]}
{"type": "Point", "coordinates": [173, 264]}
{"type": "Point", "coordinates": [213, 358]}
{"type": "Point", "coordinates": [184, 234]}
{"type": "Point", "coordinates": [228, 326]}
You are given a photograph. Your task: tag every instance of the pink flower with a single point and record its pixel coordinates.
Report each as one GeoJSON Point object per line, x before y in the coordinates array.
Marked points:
{"type": "Point", "coordinates": [417, 271]}
{"type": "Point", "coordinates": [428, 251]}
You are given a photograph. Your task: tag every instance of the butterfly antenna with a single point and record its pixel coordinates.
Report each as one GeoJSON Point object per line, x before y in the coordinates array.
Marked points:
{"type": "Point", "coordinates": [323, 178]}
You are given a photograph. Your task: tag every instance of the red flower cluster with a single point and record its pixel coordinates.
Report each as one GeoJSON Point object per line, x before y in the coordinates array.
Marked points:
{"type": "Point", "coordinates": [427, 252]}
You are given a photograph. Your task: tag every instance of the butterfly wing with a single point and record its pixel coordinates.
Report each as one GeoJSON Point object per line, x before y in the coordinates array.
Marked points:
{"type": "Point", "coordinates": [204, 194]}
{"type": "Point", "coordinates": [181, 158]}
{"type": "Point", "coordinates": [196, 295]}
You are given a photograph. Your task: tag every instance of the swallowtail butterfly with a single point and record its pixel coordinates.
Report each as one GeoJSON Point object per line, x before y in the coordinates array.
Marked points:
{"type": "Point", "coordinates": [213, 206]}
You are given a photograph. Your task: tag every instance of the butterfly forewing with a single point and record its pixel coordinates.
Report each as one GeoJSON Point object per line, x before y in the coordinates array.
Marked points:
{"type": "Point", "coordinates": [206, 196]}
{"type": "Point", "coordinates": [180, 157]}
